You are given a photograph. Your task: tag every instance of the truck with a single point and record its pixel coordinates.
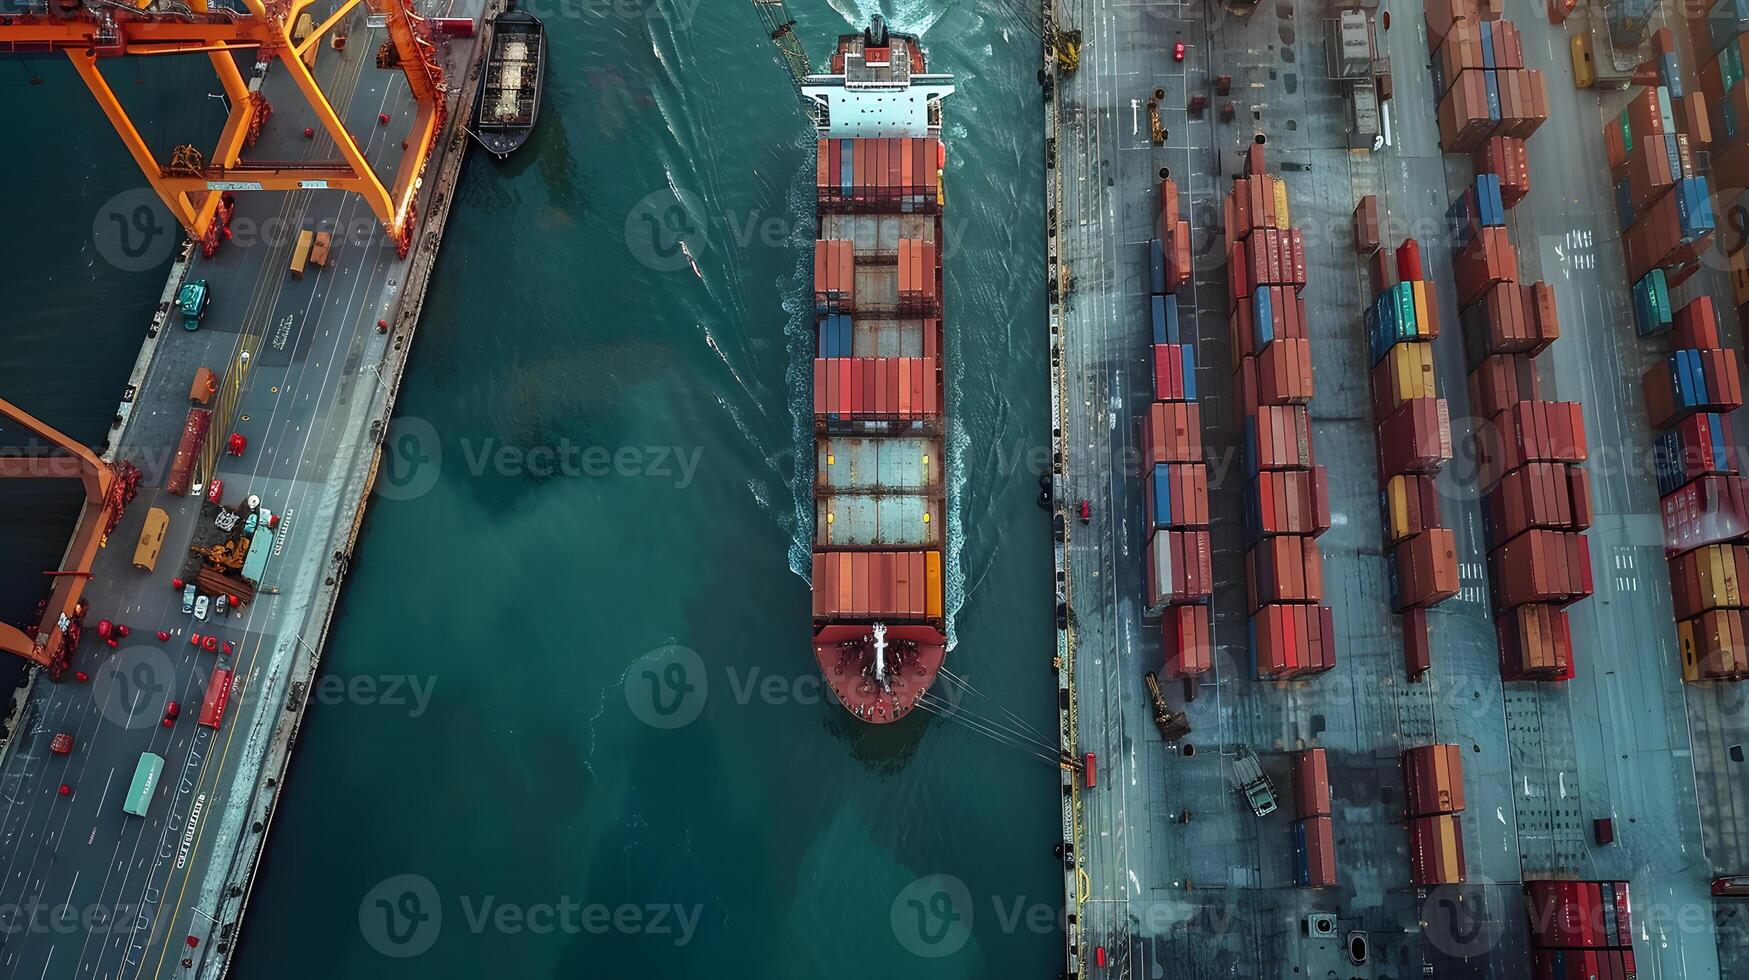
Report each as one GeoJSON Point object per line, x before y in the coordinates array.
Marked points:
{"type": "Point", "coordinates": [1251, 782]}
{"type": "Point", "coordinates": [192, 299]}
{"type": "Point", "coordinates": [181, 474]}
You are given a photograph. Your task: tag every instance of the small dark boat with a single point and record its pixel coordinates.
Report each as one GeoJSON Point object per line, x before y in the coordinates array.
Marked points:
{"type": "Point", "coordinates": [509, 96]}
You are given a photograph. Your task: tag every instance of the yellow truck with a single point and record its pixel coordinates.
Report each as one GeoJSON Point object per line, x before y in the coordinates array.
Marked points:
{"type": "Point", "coordinates": [301, 253]}
{"type": "Point", "coordinates": [151, 540]}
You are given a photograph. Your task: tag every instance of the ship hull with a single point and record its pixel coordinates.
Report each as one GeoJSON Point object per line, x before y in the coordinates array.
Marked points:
{"type": "Point", "coordinates": [508, 103]}
{"type": "Point", "coordinates": [878, 392]}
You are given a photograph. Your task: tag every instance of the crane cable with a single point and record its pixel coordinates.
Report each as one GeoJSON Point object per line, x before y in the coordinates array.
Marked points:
{"type": "Point", "coordinates": [949, 713]}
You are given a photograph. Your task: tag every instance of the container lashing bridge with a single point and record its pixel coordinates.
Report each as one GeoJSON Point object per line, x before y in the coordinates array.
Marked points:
{"type": "Point", "coordinates": [195, 185]}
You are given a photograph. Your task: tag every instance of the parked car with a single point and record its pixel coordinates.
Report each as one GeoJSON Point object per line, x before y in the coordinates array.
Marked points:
{"type": "Point", "coordinates": [200, 607]}
{"type": "Point", "coordinates": [188, 594]}
{"type": "Point", "coordinates": [171, 711]}
{"type": "Point", "coordinates": [221, 604]}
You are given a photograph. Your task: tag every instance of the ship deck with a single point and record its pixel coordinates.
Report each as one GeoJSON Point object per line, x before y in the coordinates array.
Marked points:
{"type": "Point", "coordinates": [1212, 896]}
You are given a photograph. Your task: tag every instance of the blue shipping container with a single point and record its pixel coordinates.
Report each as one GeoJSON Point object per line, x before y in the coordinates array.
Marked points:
{"type": "Point", "coordinates": [1262, 317]}
{"type": "Point", "coordinates": [1164, 311]}
{"type": "Point", "coordinates": [1161, 478]}
{"type": "Point", "coordinates": [1156, 267]}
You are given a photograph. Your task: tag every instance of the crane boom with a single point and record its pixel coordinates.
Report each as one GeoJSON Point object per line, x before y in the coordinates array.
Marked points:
{"type": "Point", "coordinates": [781, 28]}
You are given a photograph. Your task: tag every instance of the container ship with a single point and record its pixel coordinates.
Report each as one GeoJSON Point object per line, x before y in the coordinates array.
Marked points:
{"type": "Point", "coordinates": [879, 401]}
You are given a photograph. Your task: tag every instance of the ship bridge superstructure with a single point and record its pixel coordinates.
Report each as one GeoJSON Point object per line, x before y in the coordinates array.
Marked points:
{"type": "Point", "coordinates": [879, 86]}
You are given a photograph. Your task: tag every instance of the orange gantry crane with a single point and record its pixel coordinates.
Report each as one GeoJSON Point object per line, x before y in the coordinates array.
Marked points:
{"type": "Point", "coordinates": [108, 490]}
{"type": "Point", "coordinates": [192, 183]}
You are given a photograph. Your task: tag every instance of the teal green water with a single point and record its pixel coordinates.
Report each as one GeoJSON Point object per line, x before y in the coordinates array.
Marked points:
{"type": "Point", "coordinates": [773, 837]}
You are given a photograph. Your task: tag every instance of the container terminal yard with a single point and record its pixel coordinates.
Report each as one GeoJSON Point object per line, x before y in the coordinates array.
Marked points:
{"type": "Point", "coordinates": [1386, 803]}
{"type": "Point", "coordinates": [253, 436]}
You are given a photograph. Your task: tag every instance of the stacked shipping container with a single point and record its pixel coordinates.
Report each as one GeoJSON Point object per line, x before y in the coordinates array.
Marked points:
{"type": "Point", "coordinates": [1314, 836]}
{"type": "Point", "coordinates": [1479, 79]}
{"type": "Point", "coordinates": [1538, 500]}
{"type": "Point", "coordinates": [1662, 204]}
{"type": "Point", "coordinates": [1287, 500]}
{"type": "Point", "coordinates": [1579, 929]}
{"type": "Point", "coordinates": [1689, 396]}
{"type": "Point", "coordinates": [1433, 798]}
{"type": "Point", "coordinates": [1180, 574]}
{"type": "Point", "coordinates": [1413, 427]}
{"type": "Point", "coordinates": [877, 382]}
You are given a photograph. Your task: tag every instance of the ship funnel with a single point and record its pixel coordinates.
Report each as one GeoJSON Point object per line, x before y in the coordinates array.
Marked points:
{"type": "Point", "coordinates": [876, 35]}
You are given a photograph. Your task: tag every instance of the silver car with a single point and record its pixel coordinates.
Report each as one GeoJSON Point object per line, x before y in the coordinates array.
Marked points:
{"type": "Point", "coordinates": [188, 598]}
{"type": "Point", "coordinates": [200, 605]}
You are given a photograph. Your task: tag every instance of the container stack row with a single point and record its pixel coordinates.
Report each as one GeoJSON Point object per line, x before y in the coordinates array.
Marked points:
{"type": "Point", "coordinates": [1689, 398]}
{"type": "Point", "coordinates": [1413, 427]}
{"type": "Point", "coordinates": [1537, 497]}
{"type": "Point", "coordinates": [1662, 203]}
{"type": "Point", "coordinates": [1175, 480]}
{"type": "Point", "coordinates": [1287, 497]}
{"type": "Point", "coordinates": [1314, 836]}
{"type": "Point", "coordinates": [877, 382]}
{"type": "Point", "coordinates": [1579, 930]}
{"type": "Point", "coordinates": [1433, 802]}
{"type": "Point", "coordinates": [1479, 79]}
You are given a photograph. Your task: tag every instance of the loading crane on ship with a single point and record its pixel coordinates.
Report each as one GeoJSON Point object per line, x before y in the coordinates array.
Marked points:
{"type": "Point", "coordinates": [195, 185]}
{"type": "Point", "coordinates": [108, 490]}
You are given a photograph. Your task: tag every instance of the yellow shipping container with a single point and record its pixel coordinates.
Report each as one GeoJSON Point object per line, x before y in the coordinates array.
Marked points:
{"type": "Point", "coordinates": [1411, 372]}
{"type": "Point", "coordinates": [1398, 499]}
{"type": "Point", "coordinates": [1686, 651]}
{"type": "Point", "coordinates": [1282, 220]}
{"type": "Point", "coordinates": [932, 583]}
{"type": "Point", "coordinates": [1418, 290]}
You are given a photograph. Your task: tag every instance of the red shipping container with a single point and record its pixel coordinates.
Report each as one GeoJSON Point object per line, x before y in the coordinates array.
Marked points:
{"type": "Point", "coordinates": [1188, 492]}
{"type": "Point", "coordinates": [1433, 780]}
{"type": "Point", "coordinates": [1436, 850]}
{"type": "Point", "coordinates": [1172, 433]}
{"type": "Point", "coordinates": [1417, 644]}
{"type": "Point", "coordinates": [1536, 495]}
{"type": "Point", "coordinates": [1284, 373]}
{"type": "Point", "coordinates": [1427, 568]}
{"type": "Point", "coordinates": [1536, 643]}
{"type": "Point", "coordinates": [1488, 258]}
{"type": "Point", "coordinates": [1416, 438]}
{"type": "Point", "coordinates": [1285, 568]}
{"type": "Point", "coordinates": [1707, 510]}
{"type": "Point", "coordinates": [1382, 269]}
{"type": "Point", "coordinates": [1319, 841]}
{"type": "Point", "coordinates": [1499, 381]}
{"type": "Point", "coordinates": [1311, 783]}
{"type": "Point", "coordinates": [1696, 325]}
{"type": "Point", "coordinates": [1526, 432]}
{"type": "Point", "coordinates": [1179, 568]}
{"type": "Point", "coordinates": [1721, 375]}
{"type": "Point", "coordinates": [1283, 435]}
{"type": "Point", "coordinates": [1292, 640]}
{"type": "Point", "coordinates": [1541, 566]}
{"type": "Point", "coordinates": [1507, 158]}
{"type": "Point", "coordinates": [1169, 379]}
{"type": "Point", "coordinates": [1186, 640]}
{"type": "Point", "coordinates": [1366, 225]}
